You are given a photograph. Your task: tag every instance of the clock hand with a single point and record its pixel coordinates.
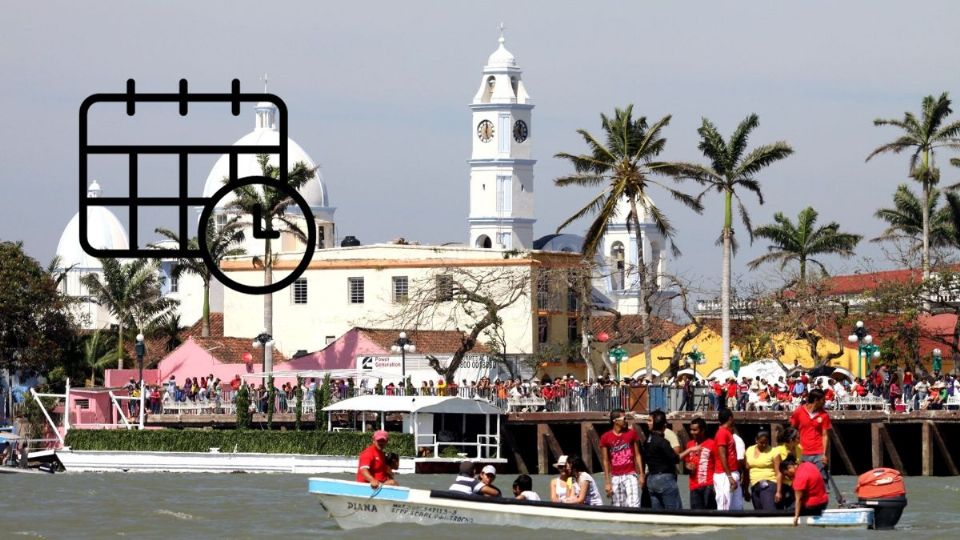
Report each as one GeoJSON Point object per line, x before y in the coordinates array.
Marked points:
{"type": "Point", "coordinates": [258, 231]}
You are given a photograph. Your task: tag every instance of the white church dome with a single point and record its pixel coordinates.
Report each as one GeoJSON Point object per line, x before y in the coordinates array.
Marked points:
{"type": "Point", "coordinates": [502, 57]}
{"type": "Point", "coordinates": [266, 133]}
{"type": "Point", "coordinates": [104, 231]}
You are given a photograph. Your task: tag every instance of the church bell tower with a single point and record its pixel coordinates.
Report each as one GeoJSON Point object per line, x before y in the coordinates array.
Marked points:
{"type": "Point", "coordinates": [501, 169]}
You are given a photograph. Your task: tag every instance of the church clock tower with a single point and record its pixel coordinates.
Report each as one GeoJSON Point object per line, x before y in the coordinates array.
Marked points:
{"type": "Point", "coordinates": [501, 170]}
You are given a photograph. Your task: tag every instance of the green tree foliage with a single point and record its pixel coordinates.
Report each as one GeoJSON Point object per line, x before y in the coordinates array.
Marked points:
{"type": "Point", "coordinates": [131, 293]}
{"type": "Point", "coordinates": [267, 442]}
{"type": "Point", "coordinates": [272, 206]}
{"type": "Point", "coordinates": [921, 137]}
{"type": "Point", "coordinates": [244, 418]}
{"type": "Point", "coordinates": [731, 171]}
{"type": "Point", "coordinates": [98, 354]}
{"type": "Point", "coordinates": [625, 167]}
{"type": "Point", "coordinates": [222, 242]}
{"type": "Point", "coordinates": [802, 241]}
{"type": "Point", "coordinates": [298, 395]}
{"type": "Point", "coordinates": [319, 415]}
{"type": "Point", "coordinates": [905, 219]}
{"type": "Point", "coordinates": [35, 329]}
{"type": "Point", "coordinates": [167, 329]}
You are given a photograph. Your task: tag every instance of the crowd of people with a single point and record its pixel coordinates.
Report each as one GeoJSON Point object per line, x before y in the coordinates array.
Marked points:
{"type": "Point", "coordinates": [895, 390]}
{"type": "Point", "coordinates": [640, 469]}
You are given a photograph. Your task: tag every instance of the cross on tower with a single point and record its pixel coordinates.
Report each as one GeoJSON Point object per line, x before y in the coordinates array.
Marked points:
{"type": "Point", "coordinates": [502, 28]}
{"type": "Point", "coordinates": [265, 81]}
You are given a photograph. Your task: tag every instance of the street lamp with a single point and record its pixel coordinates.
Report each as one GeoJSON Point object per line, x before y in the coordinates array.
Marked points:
{"type": "Point", "coordinates": [141, 349]}
{"type": "Point", "coordinates": [266, 341]}
{"type": "Point", "coordinates": [618, 354]}
{"type": "Point", "coordinates": [695, 356]}
{"type": "Point", "coordinates": [735, 362]}
{"type": "Point", "coordinates": [403, 345]}
{"type": "Point", "coordinates": [937, 362]}
{"type": "Point", "coordinates": [865, 347]}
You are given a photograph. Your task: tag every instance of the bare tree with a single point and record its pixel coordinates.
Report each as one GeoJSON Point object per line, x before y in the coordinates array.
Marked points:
{"type": "Point", "coordinates": [468, 300]}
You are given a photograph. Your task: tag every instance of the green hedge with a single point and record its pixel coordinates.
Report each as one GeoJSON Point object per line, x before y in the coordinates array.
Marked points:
{"type": "Point", "coordinates": [263, 442]}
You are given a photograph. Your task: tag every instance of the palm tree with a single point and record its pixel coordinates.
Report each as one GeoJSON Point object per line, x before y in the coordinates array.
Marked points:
{"type": "Point", "coordinates": [802, 241]}
{"type": "Point", "coordinates": [922, 137]}
{"type": "Point", "coordinates": [623, 166]}
{"type": "Point", "coordinates": [732, 169]}
{"type": "Point", "coordinates": [131, 293]}
{"type": "Point", "coordinates": [97, 355]}
{"type": "Point", "coordinates": [167, 329]}
{"type": "Point", "coordinates": [905, 219]}
{"type": "Point", "coordinates": [220, 243]}
{"type": "Point", "coordinates": [272, 205]}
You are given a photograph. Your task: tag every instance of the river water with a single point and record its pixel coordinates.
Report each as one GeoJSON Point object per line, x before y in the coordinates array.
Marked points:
{"type": "Point", "coordinates": [238, 506]}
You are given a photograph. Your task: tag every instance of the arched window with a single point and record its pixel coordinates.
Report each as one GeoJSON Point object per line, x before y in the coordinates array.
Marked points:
{"type": "Point", "coordinates": [483, 241]}
{"type": "Point", "coordinates": [619, 268]}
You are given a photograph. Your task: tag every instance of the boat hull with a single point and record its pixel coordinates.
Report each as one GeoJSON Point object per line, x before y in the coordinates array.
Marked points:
{"type": "Point", "coordinates": [354, 505]}
{"type": "Point", "coordinates": [210, 462]}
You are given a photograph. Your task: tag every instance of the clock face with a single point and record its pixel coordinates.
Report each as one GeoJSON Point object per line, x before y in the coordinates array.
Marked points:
{"type": "Point", "coordinates": [485, 131]}
{"type": "Point", "coordinates": [520, 131]}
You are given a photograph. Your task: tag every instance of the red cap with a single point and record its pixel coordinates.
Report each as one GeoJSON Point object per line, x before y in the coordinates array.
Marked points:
{"type": "Point", "coordinates": [380, 435]}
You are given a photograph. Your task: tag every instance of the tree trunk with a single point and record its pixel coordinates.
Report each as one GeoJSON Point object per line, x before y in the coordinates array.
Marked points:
{"type": "Point", "coordinates": [803, 271]}
{"type": "Point", "coordinates": [643, 291]}
{"type": "Point", "coordinates": [205, 325]}
{"type": "Point", "coordinates": [925, 255]}
{"type": "Point", "coordinates": [120, 346]}
{"type": "Point", "coordinates": [725, 278]}
{"type": "Point", "coordinates": [925, 209]}
{"type": "Point", "coordinates": [268, 280]}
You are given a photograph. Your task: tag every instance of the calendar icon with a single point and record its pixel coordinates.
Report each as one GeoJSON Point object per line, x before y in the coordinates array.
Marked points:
{"type": "Point", "coordinates": [183, 201]}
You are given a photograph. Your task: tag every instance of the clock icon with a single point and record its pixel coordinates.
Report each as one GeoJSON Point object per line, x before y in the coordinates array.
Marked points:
{"type": "Point", "coordinates": [256, 217]}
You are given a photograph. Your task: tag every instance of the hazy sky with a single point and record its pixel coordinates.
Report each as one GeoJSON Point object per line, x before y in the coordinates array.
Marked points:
{"type": "Point", "coordinates": [378, 95]}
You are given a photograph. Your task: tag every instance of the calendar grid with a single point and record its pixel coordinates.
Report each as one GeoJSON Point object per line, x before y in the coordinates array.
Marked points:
{"type": "Point", "coordinates": [183, 201]}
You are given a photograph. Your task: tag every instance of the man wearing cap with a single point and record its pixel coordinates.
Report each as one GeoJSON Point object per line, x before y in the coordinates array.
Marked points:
{"type": "Point", "coordinates": [486, 488]}
{"type": "Point", "coordinates": [467, 484]}
{"type": "Point", "coordinates": [373, 468]}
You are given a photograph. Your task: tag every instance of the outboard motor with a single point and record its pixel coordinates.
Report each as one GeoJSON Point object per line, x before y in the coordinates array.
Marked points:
{"type": "Point", "coordinates": [883, 490]}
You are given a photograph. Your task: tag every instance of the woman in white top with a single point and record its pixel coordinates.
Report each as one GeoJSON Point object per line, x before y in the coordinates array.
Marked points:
{"type": "Point", "coordinates": [585, 490]}
{"type": "Point", "coordinates": [561, 486]}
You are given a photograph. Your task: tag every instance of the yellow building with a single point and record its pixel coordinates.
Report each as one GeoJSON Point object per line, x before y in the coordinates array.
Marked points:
{"type": "Point", "coordinates": [793, 352]}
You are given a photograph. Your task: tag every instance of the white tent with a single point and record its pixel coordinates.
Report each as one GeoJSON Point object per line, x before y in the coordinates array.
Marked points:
{"type": "Point", "coordinates": [768, 369]}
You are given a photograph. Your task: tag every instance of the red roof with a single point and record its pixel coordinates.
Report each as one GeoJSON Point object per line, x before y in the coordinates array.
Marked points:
{"type": "Point", "coordinates": [230, 350]}
{"type": "Point", "coordinates": [858, 283]}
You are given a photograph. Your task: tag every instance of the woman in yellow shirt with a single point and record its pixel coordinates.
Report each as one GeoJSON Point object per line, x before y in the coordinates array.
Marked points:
{"type": "Point", "coordinates": [784, 498]}
{"type": "Point", "coordinates": [763, 472]}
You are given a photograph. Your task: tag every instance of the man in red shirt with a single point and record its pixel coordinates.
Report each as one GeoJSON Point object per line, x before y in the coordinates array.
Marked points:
{"type": "Point", "coordinates": [814, 425]}
{"type": "Point", "coordinates": [731, 393]}
{"type": "Point", "coordinates": [808, 486]}
{"type": "Point", "coordinates": [698, 460]}
{"type": "Point", "coordinates": [622, 462]}
{"type": "Point", "coordinates": [726, 477]}
{"type": "Point", "coordinates": [373, 467]}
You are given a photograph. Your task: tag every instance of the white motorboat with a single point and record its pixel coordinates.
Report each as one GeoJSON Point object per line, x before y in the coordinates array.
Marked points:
{"type": "Point", "coordinates": [354, 505]}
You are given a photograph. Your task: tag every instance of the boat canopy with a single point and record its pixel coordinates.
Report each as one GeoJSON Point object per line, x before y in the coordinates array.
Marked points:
{"type": "Point", "coordinates": [415, 404]}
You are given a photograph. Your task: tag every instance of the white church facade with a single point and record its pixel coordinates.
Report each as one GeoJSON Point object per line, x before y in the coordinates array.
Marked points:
{"type": "Point", "coordinates": [352, 285]}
